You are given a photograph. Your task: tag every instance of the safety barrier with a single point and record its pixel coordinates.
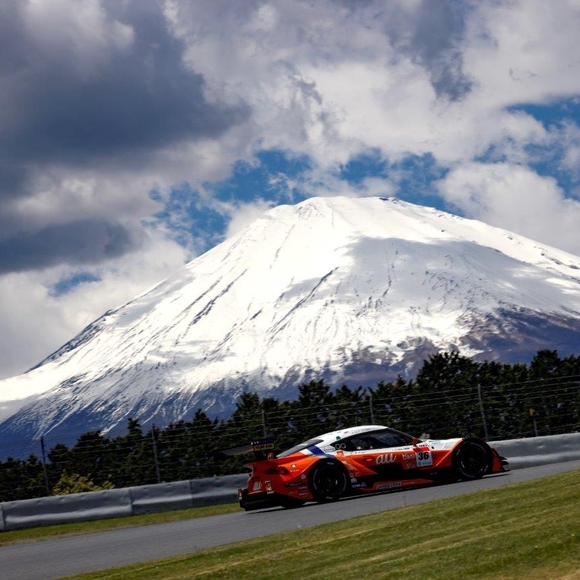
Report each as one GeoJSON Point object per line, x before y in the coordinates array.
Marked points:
{"type": "Point", "coordinates": [534, 451]}
{"type": "Point", "coordinates": [215, 490]}
{"type": "Point", "coordinates": [112, 503]}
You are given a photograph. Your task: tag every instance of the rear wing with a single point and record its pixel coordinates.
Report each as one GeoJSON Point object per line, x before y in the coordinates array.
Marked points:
{"type": "Point", "coordinates": [258, 446]}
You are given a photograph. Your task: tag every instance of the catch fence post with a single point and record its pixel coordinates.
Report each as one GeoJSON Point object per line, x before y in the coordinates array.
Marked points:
{"type": "Point", "coordinates": [43, 453]}
{"type": "Point", "coordinates": [486, 435]}
{"type": "Point", "coordinates": [155, 454]}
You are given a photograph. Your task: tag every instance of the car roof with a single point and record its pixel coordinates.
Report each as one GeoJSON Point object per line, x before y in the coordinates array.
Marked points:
{"type": "Point", "coordinates": [333, 436]}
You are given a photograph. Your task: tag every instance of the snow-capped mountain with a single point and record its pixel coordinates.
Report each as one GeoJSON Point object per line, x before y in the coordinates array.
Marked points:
{"type": "Point", "coordinates": [347, 289]}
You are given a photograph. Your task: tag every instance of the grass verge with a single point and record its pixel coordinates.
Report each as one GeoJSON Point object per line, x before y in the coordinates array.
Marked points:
{"type": "Point", "coordinates": [529, 530]}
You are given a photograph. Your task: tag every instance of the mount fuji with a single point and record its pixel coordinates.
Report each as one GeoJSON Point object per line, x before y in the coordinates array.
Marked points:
{"type": "Point", "coordinates": [349, 290]}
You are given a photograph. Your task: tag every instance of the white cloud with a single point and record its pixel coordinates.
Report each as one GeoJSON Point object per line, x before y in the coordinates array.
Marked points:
{"type": "Point", "coordinates": [331, 83]}
{"type": "Point", "coordinates": [328, 79]}
{"type": "Point", "coordinates": [517, 199]}
{"type": "Point", "coordinates": [568, 136]}
{"type": "Point", "coordinates": [35, 322]}
{"type": "Point", "coordinates": [77, 33]}
{"type": "Point", "coordinates": [524, 51]}
{"type": "Point", "coordinates": [243, 214]}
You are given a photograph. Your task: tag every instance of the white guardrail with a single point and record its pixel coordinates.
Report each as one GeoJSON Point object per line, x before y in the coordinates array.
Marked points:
{"type": "Point", "coordinates": [143, 499]}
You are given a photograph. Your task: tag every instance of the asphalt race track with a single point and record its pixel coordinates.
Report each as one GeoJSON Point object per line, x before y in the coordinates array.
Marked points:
{"type": "Point", "coordinates": [91, 552]}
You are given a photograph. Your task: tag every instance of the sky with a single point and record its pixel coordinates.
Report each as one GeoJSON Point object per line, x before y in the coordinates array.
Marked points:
{"type": "Point", "coordinates": [137, 134]}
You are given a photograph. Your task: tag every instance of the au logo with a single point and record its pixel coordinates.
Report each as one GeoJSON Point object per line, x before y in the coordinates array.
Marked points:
{"type": "Point", "coordinates": [386, 458]}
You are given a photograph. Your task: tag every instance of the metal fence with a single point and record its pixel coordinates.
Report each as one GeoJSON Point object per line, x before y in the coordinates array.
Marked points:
{"type": "Point", "coordinates": [495, 412]}
{"type": "Point", "coordinates": [212, 491]}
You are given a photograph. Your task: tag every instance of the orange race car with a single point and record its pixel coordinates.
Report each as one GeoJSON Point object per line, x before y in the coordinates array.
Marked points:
{"type": "Point", "coordinates": [359, 460]}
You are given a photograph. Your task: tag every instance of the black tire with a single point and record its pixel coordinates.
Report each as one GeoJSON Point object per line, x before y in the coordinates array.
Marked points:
{"type": "Point", "coordinates": [472, 459]}
{"type": "Point", "coordinates": [327, 480]}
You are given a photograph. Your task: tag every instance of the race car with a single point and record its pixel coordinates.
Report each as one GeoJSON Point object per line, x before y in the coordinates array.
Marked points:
{"type": "Point", "coordinates": [360, 460]}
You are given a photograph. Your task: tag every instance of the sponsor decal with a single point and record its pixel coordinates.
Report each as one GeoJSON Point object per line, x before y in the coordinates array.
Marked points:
{"type": "Point", "coordinates": [391, 485]}
{"type": "Point", "coordinates": [386, 458]}
{"type": "Point", "coordinates": [257, 486]}
{"type": "Point", "coordinates": [295, 484]}
{"type": "Point", "coordinates": [315, 450]}
{"type": "Point", "coordinates": [262, 444]}
{"type": "Point", "coordinates": [407, 456]}
{"type": "Point", "coordinates": [424, 458]}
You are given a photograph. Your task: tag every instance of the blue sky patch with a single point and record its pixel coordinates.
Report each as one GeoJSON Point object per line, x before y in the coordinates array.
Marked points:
{"type": "Point", "coordinates": [562, 110]}
{"type": "Point", "coordinates": [67, 284]}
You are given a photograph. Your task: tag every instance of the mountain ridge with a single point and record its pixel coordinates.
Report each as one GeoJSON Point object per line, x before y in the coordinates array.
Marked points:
{"type": "Point", "coordinates": [350, 290]}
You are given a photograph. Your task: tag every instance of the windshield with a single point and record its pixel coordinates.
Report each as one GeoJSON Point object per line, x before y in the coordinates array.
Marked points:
{"type": "Point", "coordinates": [382, 439]}
{"type": "Point", "coordinates": [392, 438]}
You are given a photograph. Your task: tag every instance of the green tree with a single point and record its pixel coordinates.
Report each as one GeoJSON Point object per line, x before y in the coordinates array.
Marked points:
{"type": "Point", "coordinates": [75, 483]}
{"type": "Point", "coordinates": [90, 457]}
{"type": "Point", "coordinates": [21, 479]}
{"type": "Point", "coordinates": [310, 414]}
{"type": "Point", "coordinates": [393, 404]}
{"type": "Point", "coordinates": [445, 397]}
{"type": "Point", "coordinates": [185, 449]}
{"type": "Point", "coordinates": [554, 384]}
{"type": "Point", "coordinates": [135, 457]}
{"type": "Point", "coordinates": [349, 407]}
{"type": "Point", "coordinates": [248, 422]}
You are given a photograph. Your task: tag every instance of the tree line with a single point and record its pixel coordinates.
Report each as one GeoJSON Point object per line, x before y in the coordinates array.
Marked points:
{"type": "Point", "coordinates": [451, 396]}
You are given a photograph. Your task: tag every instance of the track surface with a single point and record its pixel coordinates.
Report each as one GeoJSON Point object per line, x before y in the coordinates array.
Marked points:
{"type": "Point", "coordinates": [85, 553]}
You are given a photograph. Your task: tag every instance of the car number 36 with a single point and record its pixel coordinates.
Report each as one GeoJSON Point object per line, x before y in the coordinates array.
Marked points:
{"type": "Point", "coordinates": [424, 458]}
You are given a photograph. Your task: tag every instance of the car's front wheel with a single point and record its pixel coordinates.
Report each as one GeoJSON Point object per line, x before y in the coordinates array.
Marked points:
{"type": "Point", "coordinates": [472, 459]}
{"type": "Point", "coordinates": [327, 480]}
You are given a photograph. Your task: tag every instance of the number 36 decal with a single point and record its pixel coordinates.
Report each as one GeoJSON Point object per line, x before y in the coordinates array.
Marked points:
{"type": "Point", "coordinates": [424, 458]}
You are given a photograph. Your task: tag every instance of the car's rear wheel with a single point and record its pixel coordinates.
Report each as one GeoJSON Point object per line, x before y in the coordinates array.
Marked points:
{"type": "Point", "coordinates": [327, 480]}
{"type": "Point", "coordinates": [472, 459]}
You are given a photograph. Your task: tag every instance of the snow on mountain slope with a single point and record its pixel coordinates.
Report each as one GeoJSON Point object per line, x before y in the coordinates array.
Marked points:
{"type": "Point", "coordinates": [348, 289]}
